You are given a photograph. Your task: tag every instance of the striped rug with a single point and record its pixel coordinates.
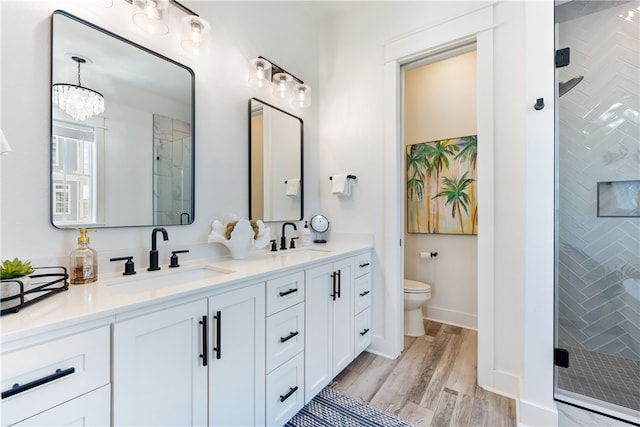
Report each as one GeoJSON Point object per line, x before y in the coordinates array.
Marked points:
{"type": "Point", "coordinates": [332, 409]}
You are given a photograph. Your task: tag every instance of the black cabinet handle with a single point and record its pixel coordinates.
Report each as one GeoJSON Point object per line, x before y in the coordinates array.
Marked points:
{"type": "Point", "coordinates": [289, 393]}
{"type": "Point", "coordinates": [363, 333]}
{"type": "Point", "coordinates": [205, 342]}
{"type": "Point", "coordinates": [365, 293]}
{"type": "Point", "coordinates": [333, 284]}
{"type": "Point", "coordinates": [288, 337]}
{"type": "Point", "coordinates": [339, 283]}
{"type": "Point", "coordinates": [363, 265]}
{"type": "Point", "coordinates": [290, 291]}
{"type": "Point", "coordinates": [218, 347]}
{"type": "Point", "coordinates": [17, 388]}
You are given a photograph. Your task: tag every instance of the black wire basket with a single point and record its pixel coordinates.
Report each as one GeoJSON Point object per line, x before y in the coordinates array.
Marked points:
{"type": "Point", "coordinates": [21, 292]}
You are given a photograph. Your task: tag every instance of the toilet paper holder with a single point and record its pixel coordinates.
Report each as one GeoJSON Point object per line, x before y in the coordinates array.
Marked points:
{"type": "Point", "coordinates": [431, 254]}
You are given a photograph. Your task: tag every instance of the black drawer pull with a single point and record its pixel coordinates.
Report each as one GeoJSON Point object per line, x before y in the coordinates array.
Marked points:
{"type": "Point", "coordinates": [288, 337]}
{"type": "Point", "coordinates": [205, 342]}
{"type": "Point", "coordinates": [17, 388]}
{"type": "Point", "coordinates": [363, 333]}
{"type": "Point", "coordinates": [365, 293]}
{"type": "Point", "coordinates": [290, 291]}
{"type": "Point", "coordinates": [218, 347]}
{"type": "Point", "coordinates": [363, 265]}
{"type": "Point", "coordinates": [289, 393]}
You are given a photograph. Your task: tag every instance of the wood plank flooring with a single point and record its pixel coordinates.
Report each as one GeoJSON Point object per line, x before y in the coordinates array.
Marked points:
{"type": "Point", "coordinates": [433, 382]}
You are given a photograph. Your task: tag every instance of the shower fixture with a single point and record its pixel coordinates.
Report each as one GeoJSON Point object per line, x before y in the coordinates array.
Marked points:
{"type": "Point", "coordinates": [565, 87]}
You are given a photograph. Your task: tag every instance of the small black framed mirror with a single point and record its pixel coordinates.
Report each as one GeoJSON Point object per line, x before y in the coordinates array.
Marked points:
{"type": "Point", "coordinates": [276, 188]}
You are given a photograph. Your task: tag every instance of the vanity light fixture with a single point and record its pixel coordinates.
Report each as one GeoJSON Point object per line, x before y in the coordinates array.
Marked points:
{"type": "Point", "coordinates": [78, 101]}
{"type": "Point", "coordinates": [194, 33]}
{"type": "Point", "coordinates": [153, 17]}
{"type": "Point", "coordinates": [284, 84]}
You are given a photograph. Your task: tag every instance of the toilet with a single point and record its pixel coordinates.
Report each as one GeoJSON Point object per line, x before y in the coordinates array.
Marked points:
{"type": "Point", "coordinates": [415, 295]}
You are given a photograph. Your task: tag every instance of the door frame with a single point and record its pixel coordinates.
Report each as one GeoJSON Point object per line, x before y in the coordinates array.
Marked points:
{"type": "Point", "coordinates": [474, 26]}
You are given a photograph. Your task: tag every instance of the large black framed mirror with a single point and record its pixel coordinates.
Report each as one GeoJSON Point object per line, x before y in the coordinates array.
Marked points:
{"type": "Point", "coordinates": [276, 190]}
{"type": "Point", "coordinates": [133, 163]}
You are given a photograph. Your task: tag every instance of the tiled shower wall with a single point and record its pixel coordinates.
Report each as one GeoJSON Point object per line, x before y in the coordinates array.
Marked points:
{"type": "Point", "coordinates": [599, 141]}
{"type": "Point", "coordinates": [172, 169]}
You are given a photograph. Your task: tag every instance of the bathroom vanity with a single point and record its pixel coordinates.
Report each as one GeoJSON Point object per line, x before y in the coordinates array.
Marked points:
{"type": "Point", "coordinates": [223, 342]}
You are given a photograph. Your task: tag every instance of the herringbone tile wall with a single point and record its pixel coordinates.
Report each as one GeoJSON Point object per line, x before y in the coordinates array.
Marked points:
{"type": "Point", "coordinates": [599, 141]}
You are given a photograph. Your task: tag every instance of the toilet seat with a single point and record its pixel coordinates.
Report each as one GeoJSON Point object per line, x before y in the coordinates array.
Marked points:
{"type": "Point", "coordinates": [415, 287]}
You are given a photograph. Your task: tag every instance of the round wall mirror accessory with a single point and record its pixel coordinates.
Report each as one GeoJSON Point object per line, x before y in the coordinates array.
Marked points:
{"type": "Point", "coordinates": [319, 224]}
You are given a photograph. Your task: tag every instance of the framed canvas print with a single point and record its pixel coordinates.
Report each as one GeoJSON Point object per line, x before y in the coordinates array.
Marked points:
{"type": "Point", "coordinates": [441, 186]}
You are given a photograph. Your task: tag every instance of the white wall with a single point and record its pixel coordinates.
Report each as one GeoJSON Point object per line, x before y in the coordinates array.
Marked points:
{"type": "Point", "coordinates": [240, 31]}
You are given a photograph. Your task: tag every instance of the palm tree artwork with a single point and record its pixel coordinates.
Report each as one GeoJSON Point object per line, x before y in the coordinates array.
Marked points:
{"type": "Point", "coordinates": [441, 177]}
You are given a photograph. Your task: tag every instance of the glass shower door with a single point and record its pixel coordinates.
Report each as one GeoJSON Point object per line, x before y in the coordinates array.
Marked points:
{"type": "Point", "coordinates": [598, 207]}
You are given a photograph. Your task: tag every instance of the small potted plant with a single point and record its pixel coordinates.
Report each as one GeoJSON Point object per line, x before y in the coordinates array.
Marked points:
{"type": "Point", "coordinates": [13, 269]}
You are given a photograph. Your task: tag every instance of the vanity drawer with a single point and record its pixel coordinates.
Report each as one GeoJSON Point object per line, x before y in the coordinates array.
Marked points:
{"type": "Point", "coordinates": [53, 372]}
{"type": "Point", "coordinates": [362, 297]}
{"type": "Point", "coordinates": [285, 391]}
{"type": "Point", "coordinates": [284, 292]}
{"type": "Point", "coordinates": [285, 335]}
{"type": "Point", "coordinates": [363, 264]}
{"type": "Point", "coordinates": [362, 331]}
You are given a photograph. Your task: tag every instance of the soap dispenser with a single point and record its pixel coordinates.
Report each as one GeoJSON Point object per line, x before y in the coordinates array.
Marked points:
{"type": "Point", "coordinates": [84, 261]}
{"type": "Point", "coordinates": [306, 235]}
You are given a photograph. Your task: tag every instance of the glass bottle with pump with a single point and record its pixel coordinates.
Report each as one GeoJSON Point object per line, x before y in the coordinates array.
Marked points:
{"type": "Point", "coordinates": [84, 261]}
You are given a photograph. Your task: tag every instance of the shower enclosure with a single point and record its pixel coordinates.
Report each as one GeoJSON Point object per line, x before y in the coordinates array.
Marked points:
{"type": "Point", "coordinates": [597, 207]}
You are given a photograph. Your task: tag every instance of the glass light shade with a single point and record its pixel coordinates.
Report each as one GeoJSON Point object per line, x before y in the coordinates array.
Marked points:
{"type": "Point", "coordinates": [259, 73]}
{"type": "Point", "coordinates": [5, 148]}
{"type": "Point", "coordinates": [301, 96]}
{"type": "Point", "coordinates": [77, 101]}
{"type": "Point", "coordinates": [194, 34]}
{"type": "Point", "coordinates": [281, 83]}
{"type": "Point", "coordinates": [151, 15]}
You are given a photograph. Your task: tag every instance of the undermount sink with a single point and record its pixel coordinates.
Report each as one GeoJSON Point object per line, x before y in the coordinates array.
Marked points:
{"type": "Point", "coordinates": [154, 280]}
{"type": "Point", "coordinates": [304, 253]}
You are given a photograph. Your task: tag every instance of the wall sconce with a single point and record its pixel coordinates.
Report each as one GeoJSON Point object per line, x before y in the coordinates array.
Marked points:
{"type": "Point", "coordinates": [153, 17]}
{"type": "Point", "coordinates": [284, 84]}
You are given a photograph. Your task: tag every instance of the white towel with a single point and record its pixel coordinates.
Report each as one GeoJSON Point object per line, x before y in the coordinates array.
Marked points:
{"type": "Point", "coordinates": [293, 187]}
{"type": "Point", "coordinates": [341, 185]}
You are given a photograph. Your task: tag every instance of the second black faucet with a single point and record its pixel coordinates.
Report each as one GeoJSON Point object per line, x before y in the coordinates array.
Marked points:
{"type": "Point", "coordinates": [153, 254]}
{"type": "Point", "coordinates": [283, 239]}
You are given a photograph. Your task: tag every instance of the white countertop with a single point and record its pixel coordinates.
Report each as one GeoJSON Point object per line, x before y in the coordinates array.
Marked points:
{"type": "Point", "coordinates": [111, 295]}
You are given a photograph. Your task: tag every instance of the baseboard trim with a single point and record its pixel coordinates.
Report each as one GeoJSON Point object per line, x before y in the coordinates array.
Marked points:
{"type": "Point", "coordinates": [452, 317]}
{"type": "Point", "coordinates": [530, 414]}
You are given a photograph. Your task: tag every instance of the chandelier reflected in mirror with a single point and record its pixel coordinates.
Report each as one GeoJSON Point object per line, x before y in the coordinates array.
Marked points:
{"type": "Point", "coordinates": [77, 101]}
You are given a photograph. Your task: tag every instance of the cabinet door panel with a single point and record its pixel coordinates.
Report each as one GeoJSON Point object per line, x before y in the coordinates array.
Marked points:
{"type": "Point", "coordinates": [343, 317]}
{"type": "Point", "coordinates": [237, 368]}
{"type": "Point", "coordinates": [158, 376]}
{"type": "Point", "coordinates": [318, 348]}
{"type": "Point", "coordinates": [91, 409]}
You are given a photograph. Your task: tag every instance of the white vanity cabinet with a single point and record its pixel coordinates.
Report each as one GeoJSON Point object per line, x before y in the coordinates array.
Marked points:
{"type": "Point", "coordinates": [58, 381]}
{"type": "Point", "coordinates": [329, 323]}
{"type": "Point", "coordinates": [285, 347]}
{"type": "Point", "coordinates": [362, 303]}
{"type": "Point", "coordinates": [159, 372]}
{"type": "Point", "coordinates": [198, 363]}
{"type": "Point", "coordinates": [237, 356]}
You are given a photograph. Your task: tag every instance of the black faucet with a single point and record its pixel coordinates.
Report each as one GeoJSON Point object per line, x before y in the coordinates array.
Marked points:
{"type": "Point", "coordinates": [153, 254]}
{"type": "Point", "coordinates": [283, 239]}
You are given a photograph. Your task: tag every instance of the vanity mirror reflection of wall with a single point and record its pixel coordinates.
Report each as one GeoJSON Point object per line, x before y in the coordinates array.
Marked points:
{"type": "Point", "coordinates": [131, 165]}
{"type": "Point", "coordinates": [275, 163]}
